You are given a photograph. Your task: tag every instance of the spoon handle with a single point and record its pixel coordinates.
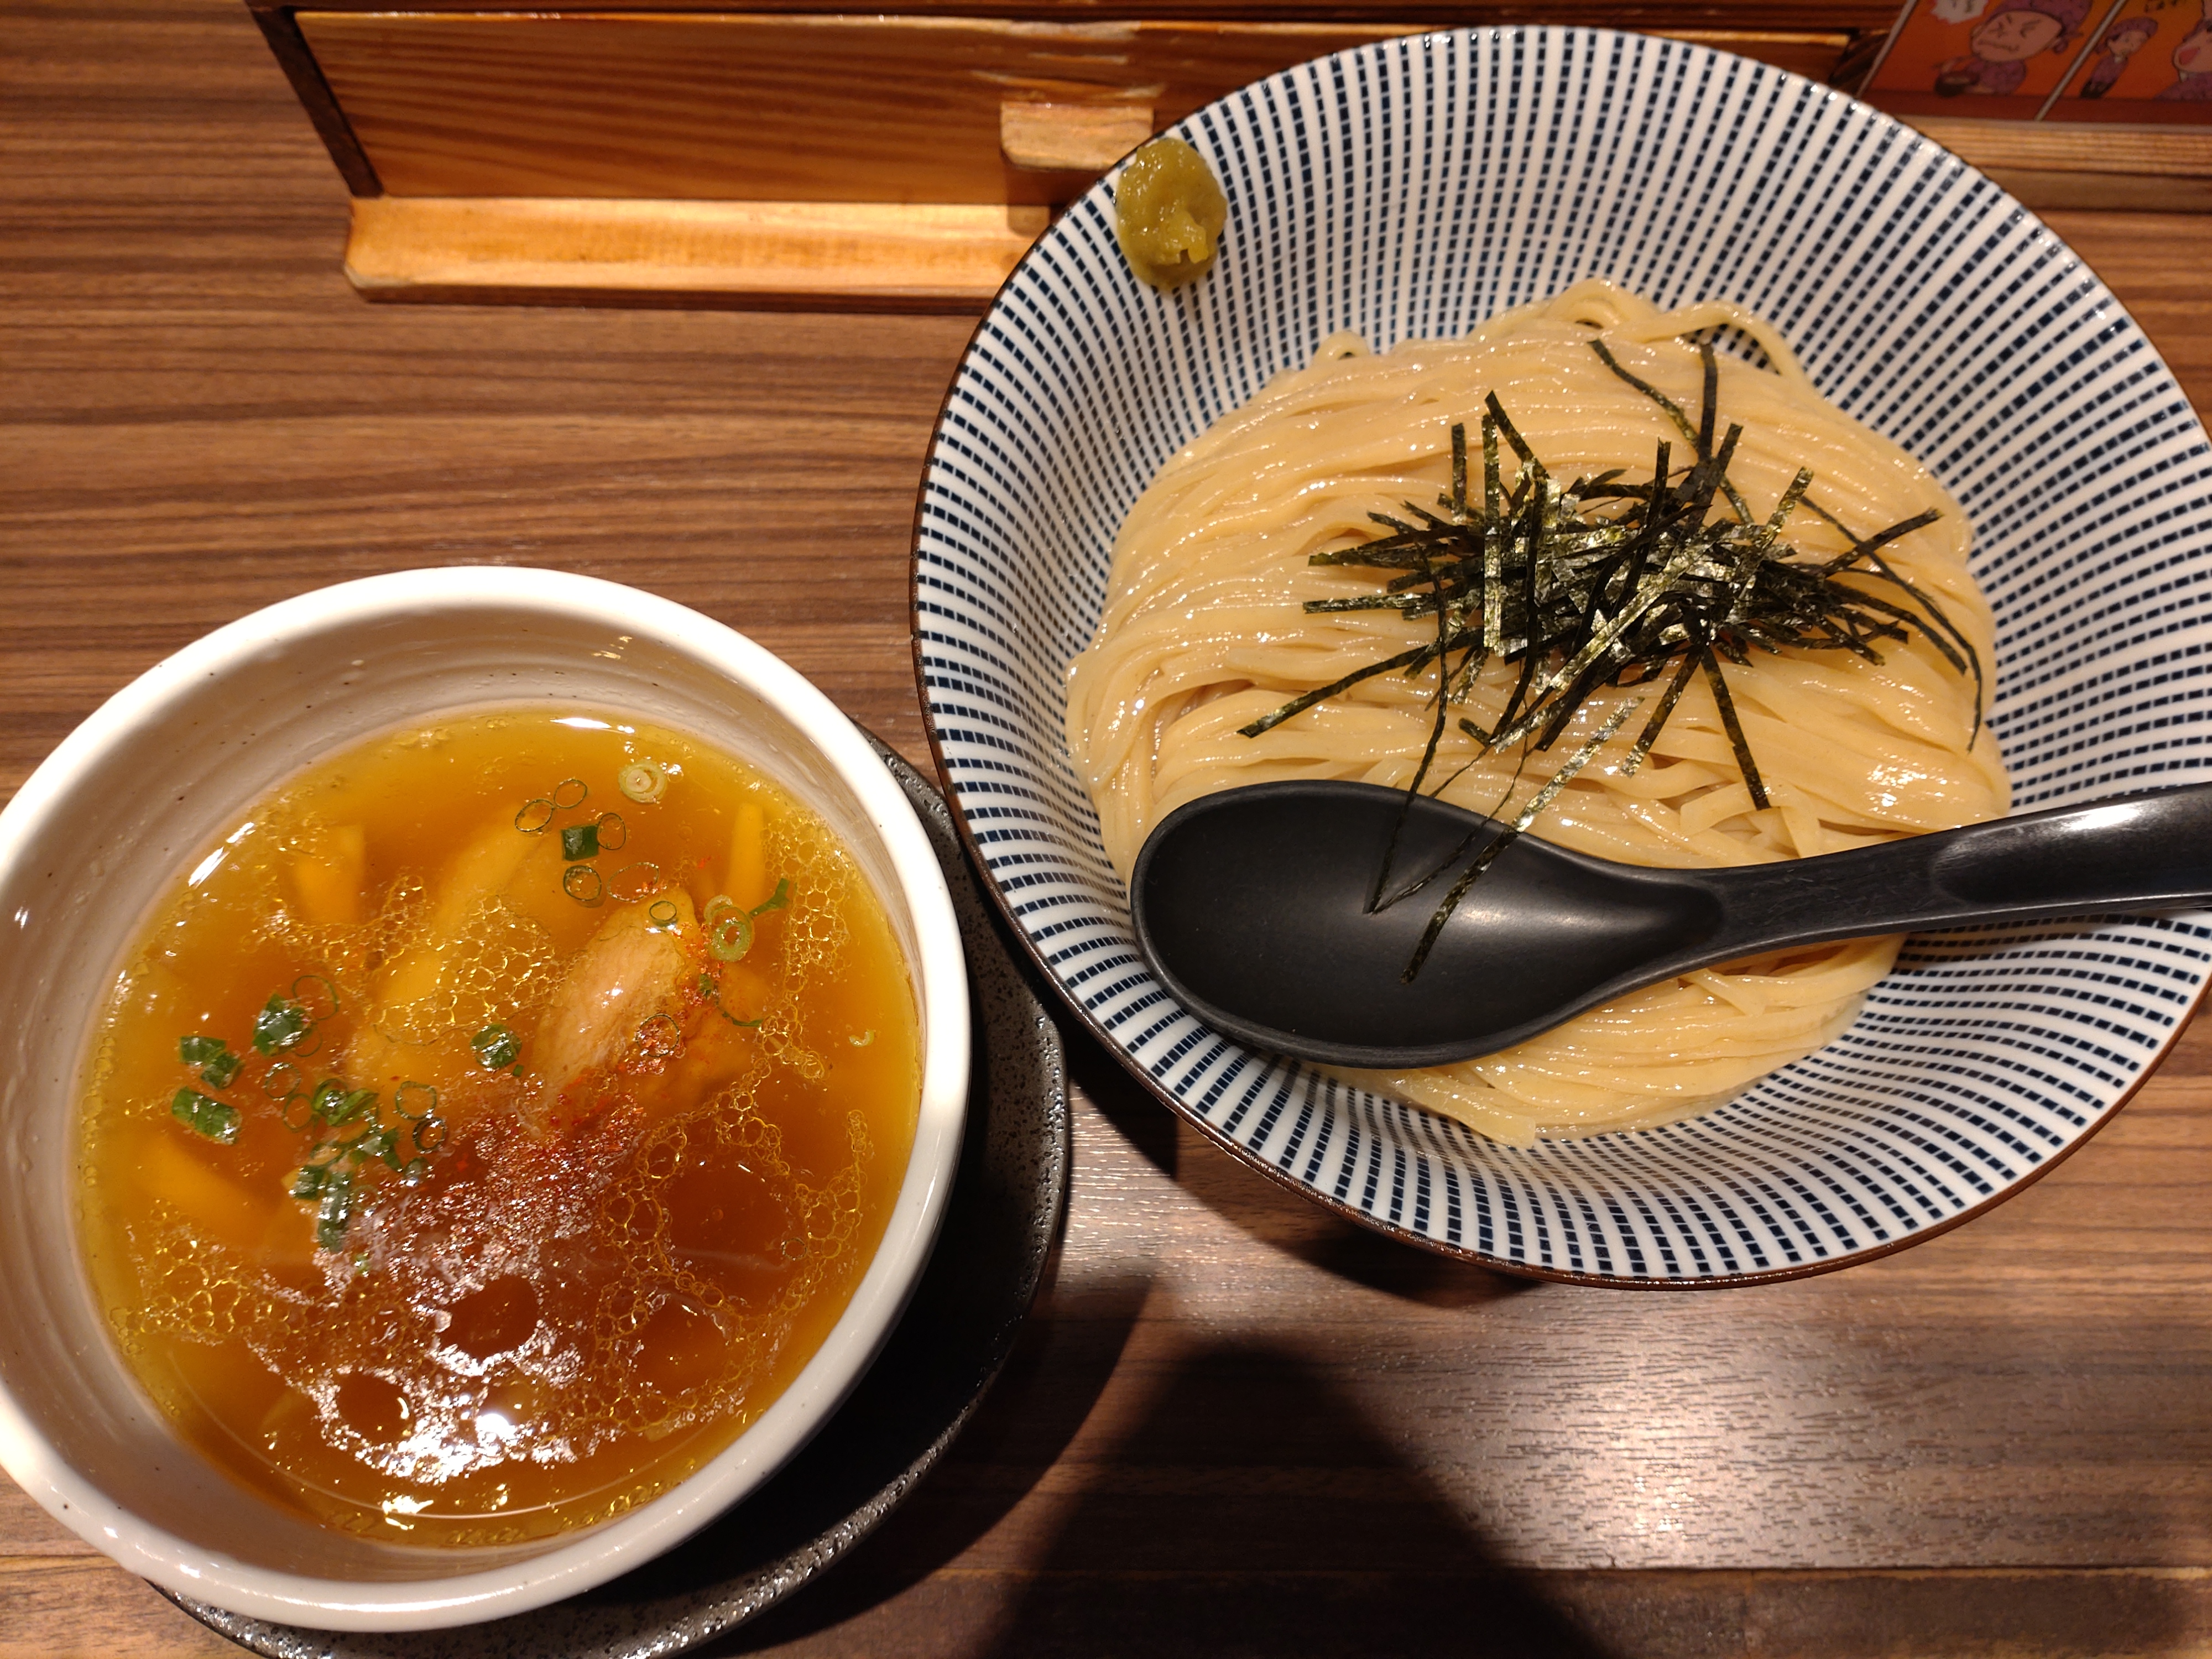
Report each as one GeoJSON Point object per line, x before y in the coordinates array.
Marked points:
{"type": "Point", "coordinates": [2139, 853]}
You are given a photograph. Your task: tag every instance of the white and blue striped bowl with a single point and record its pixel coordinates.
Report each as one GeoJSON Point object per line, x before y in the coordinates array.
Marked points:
{"type": "Point", "coordinates": [1411, 189]}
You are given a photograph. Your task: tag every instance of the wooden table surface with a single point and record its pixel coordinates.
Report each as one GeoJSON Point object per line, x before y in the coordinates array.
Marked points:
{"type": "Point", "coordinates": [1235, 1426]}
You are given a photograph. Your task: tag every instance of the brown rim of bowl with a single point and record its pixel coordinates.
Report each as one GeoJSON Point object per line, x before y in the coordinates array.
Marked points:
{"type": "Point", "coordinates": [1243, 1154]}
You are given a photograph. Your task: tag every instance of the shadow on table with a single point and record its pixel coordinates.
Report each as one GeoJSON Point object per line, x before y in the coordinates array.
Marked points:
{"type": "Point", "coordinates": [1150, 1128]}
{"type": "Point", "coordinates": [1051, 1381]}
{"type": "Point", "coordinates": [1249, 1510]}
{"type": "Point", "coordinates": [1267, 1211]}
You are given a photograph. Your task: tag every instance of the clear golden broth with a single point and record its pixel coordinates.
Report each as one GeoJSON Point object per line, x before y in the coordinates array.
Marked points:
{"type": "Point", "coordinates": [573, 1274]}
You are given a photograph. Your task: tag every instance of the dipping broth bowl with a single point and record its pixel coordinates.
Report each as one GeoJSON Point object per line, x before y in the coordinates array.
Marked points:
{"type": "Point", "coordinates": [97, 837]}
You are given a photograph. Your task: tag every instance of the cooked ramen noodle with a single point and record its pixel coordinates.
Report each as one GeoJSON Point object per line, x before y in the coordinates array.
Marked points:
{"type": "Point", "coordinates": [493, 1123]}
{"type": "Point", "coordinates": [1205, 633]}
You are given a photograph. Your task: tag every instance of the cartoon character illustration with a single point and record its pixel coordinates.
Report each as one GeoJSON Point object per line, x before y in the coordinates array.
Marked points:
{"type": "Point", "coordinates": [2192, 61]}
{"type": "Point", "coordinates": [2014, 32]}
{"type": "Point", "coordinates": [2120, 43]}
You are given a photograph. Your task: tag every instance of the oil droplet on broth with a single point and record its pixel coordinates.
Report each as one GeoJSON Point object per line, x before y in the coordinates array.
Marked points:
{"type": "Point", "coordinates": [380, 1264]}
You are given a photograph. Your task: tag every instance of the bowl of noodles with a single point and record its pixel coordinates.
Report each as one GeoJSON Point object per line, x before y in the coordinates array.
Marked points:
{"type": "Point", "coordinates": [1515, 283]}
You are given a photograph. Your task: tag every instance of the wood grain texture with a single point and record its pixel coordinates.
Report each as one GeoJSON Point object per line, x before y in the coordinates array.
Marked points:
{"type": "Point", "coordinates": [1037, 136]}
{"type": "Point", "coordinates": [281, 29]}
{"type": "Point", "coordinates": [1236, 1427]}
{"type": "Point", "coordinates": [778, 108]}
{"type": "Point", "coordinates": [594, 159]}
{"type": "Point", "coordinates": [2165, 171]}
{"type": "Point", "coordinates": [2054, 147]}
{"type": "Point", "coordinates": [2058, 190]}
{"type": "Point", "coordinates": [868, 109]}
{"type": "Point", "coordinates": [1816, 16]}
{"type": "Point", "coordinates": [882, 255]}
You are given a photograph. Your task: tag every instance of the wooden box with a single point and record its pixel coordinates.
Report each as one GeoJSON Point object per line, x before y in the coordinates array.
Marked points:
{"type": "Point", "coordinates": [643, 153]}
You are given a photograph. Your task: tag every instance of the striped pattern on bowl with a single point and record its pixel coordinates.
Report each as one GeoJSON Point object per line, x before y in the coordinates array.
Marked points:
{"type": "Point", "coordinates": [1411, 188]}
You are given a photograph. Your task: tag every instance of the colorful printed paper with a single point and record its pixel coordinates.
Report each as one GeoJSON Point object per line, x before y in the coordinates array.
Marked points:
{"type": "Point", "coordinates": [2136, 62]}
{"type": "Point", "coordinates": [2150, 66]}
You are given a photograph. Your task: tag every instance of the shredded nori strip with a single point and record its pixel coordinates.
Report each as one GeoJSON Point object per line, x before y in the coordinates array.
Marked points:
{"type": "Point", "coordinates": [1671, 578]}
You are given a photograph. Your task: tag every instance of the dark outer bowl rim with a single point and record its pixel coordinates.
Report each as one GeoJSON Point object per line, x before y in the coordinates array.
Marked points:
{"type": "Point", "coordinates": [982, 870]}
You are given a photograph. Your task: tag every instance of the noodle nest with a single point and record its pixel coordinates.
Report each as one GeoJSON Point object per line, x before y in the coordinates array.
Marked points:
{"type": "Point", "coordinates": [1204, 633]}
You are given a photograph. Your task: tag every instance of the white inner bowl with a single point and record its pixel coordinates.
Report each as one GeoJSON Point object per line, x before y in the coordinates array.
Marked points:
{"type": "Point", "coordinates": [1411, 189]}
{"type": "Point", "coordinates": [96, 838]}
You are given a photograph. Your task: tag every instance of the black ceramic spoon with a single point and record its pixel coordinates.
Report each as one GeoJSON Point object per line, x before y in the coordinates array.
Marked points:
{"type": "Point", "coordinates": [1251, 906]}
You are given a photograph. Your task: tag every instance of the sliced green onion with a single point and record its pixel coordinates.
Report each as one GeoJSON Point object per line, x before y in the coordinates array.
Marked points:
{"type": "Point", "coordinates": [643, 782]}
{"type": "Point", "coordinates": [218, 1066]}
{"type": "Point", "coordinates": [413, 1171]}
{"type": "Point", "coordinates": [730, 930]}
{"type": "Point", "coordinates": [310, 1179]}
{"type": "Point", "coordinates": [399, 1095]}
{"type": "Point", "coordinates": [205, 1116]}
{"type": "Point", "coordinates": [429, 1135]}
{"type": "Point", "coordinates": [335, 1214]}
{"type": "Point", "coordinates": [613, 832]}
{"type": "Point", "coordinates": [284, 1083]}
{"type": "Point", "coordinates": [579, 841]}
{"type": "Point", "coordinates": [335, 1103]}
{"type": "Point", "coordinates": [496, 1050]}
{"type": "Point", "coordinates": [570, 792]}
{"type": "Point", "coordinates": [535, 816]}
{"type": "Point", "coordinates": [581, 882]}
{"type": "Point", "coordinates": [282, 1024]}
{"type": "Point", "coordinates": [353, 1104]}
{"type": "Point", "coordinates": [730, 937]}
{"type": "Point", "coordinates": [328, 1004]}
{"type": "Point", "coordinates": [662, 914]}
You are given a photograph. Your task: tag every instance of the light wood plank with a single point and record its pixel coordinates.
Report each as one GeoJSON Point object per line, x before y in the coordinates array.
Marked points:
{"type": "Point", "coordinates": [537, 249]}
{"type": "Point", "coordinates": [1047, 137]}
